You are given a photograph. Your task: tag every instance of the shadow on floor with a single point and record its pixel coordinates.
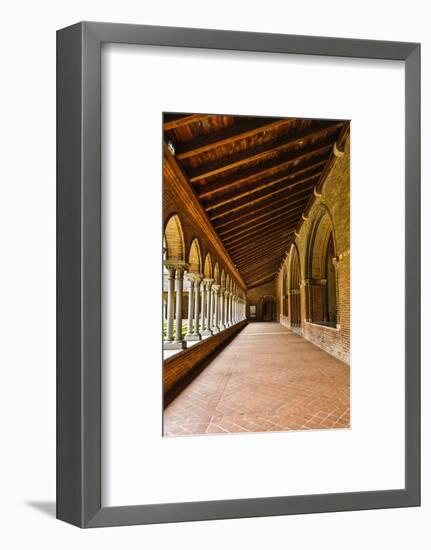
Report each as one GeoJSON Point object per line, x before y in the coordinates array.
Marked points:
{"type": "Point", "coordinates": [45, 506]}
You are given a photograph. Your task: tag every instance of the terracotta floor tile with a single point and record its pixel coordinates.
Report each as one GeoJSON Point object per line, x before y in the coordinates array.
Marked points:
{"type": "Point", "coordinates": [266, 379]}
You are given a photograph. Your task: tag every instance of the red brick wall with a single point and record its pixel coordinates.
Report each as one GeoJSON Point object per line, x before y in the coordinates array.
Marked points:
{"type": "Point", "coordinates": [177, 367]}
{"type": "Point", "coordinates": [254, 297]}
{"type": "Point", "coordinates": [335, 199]}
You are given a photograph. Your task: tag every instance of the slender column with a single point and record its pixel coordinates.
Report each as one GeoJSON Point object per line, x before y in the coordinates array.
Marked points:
{"type": "Point", "coordinates": [189, 334]}
{"type": "Point", "coordinates": [175, 303]}
{"type": "Point", "coordinates": [207, 291]}
{"type": "Point", "coordinates": [170, 305]}
{"type": "Point", "coordinates": [179, 277]}
{"type": "Point", "coordinates": [225, 304]}
{"type": "Point", "coordinates": [229, 309]}
{"type": "Point", "coordinates": [221, 315]}
{"type": "Point", "coordinates": [215, 301]}
{"type": "Point", "coordinates": [203, 307]}
{"type": "Point", "coordinates": [196, 332]}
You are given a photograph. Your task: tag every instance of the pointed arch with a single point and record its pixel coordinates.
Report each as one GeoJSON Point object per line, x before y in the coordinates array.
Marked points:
{"type": "Point", "coordinates": [217, 274]}
{"type": "Point", "coordinates": [321, 272]}
{"type": "Point", "coordinates": [294, 287]}
{"type": "Point", "coordinates": [195, 257]}
{"type": "Point", "coordinates": [174, 239]}
{"type": "Point", "coordinates": [208, 268]}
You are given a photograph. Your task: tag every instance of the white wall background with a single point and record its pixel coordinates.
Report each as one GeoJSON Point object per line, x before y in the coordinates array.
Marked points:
{"type": "Point", "coordinates": [27, 286]}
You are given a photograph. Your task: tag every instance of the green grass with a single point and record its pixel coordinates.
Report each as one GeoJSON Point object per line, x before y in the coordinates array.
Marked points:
{"type": "Point", "coordinates": [184, 329]}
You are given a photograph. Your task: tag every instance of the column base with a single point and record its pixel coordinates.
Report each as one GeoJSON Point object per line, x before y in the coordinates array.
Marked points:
{"type": "Point", "coordinates": [193, 337]}
{"type": "Point", "coordinates": [174, 345]}
{"type": "Point", "coordinates": [215, 330]}
{"type": "Point", "coordinates": [207, 333]}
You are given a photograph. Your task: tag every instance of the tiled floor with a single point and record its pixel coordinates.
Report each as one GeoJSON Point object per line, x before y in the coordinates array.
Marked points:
{"type": "Point", "coordinates": [267, 379]}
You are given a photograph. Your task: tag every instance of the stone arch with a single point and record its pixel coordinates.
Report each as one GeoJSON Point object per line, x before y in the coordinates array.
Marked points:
{"type": "Point", "coordinates": [217, 274]}
{"type": "Point", "coordinates": [223, 279]}
{"type": "Point", "coordinates": [208, 267]}
{"type": "Point", "coordinates": [174, 239]}
{"type": "Point", "coordinates": [320, 271]}
{"type": "Point", "coordinates": [195, 257]}
{"type": "Point", "coordinates": [294, 287]}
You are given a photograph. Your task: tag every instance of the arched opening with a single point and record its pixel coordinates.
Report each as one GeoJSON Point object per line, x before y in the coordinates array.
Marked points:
{"type": "Point", "coordinates": [267, 309]}
{"type": "Point", "coordinates": [208, 269]}
{"type": "Point", "coordinates": [217, 274]}
{"type": "Point", "coordinates": [195, 257]}
{"type": "Point", "coordinates": [294, 288]}
{"type": "Point", "coordinates": [174, 239]}
{"type": "Point", "coordinates": [321, 273]}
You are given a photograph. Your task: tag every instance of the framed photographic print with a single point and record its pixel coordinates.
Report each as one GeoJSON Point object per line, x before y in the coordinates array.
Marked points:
{"type": "Point", "coordinates": [238, 292]}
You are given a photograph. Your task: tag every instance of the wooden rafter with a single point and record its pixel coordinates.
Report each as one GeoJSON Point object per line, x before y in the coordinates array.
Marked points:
{"type": "Point", "coordinates": [239, 159]}
{"type": "Point", "coordinates": [259, 230]}
{"type": "Point", "coordinates": [229, 135]}
{"type": "Point", "coordinates": [284, 210]}
{"type": "Point", "coordinates": [267, 169]}
{"type": "Point", "coordinates": [248, 191]}
{"type": "Point", "coordinates": [182, 121]}
{"type": "Point", "coordinates": [283, 192]}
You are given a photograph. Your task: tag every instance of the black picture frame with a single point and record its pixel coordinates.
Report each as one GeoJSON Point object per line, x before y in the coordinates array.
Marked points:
{"type": "Point", "coordinates": [79, 273]}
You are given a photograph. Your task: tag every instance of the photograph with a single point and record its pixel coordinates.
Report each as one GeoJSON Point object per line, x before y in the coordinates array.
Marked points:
{"type": "Point", "coordinates": [256, 274]}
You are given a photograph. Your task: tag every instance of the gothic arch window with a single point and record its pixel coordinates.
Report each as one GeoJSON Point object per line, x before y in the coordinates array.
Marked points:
{"type": "Point", "coordinates": [294, 288]}
{"type": "Point", "coordinates": [321, 273]}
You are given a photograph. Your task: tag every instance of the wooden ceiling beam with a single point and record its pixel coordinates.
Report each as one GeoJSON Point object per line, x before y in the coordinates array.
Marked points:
{"type": "Point", "coordinates": [258, 282]}
{"type": "Point", "coordinates": [261, 171]}
{"type": "Point", "coordinates": [257, 271]}
{"type": "Point", "coordinates": [284, 210]}
{"type": "Point", "coordinates": [283, 192]}
{"type": "Point", "coordinates": [266, 247]}
{"type": "Point", "coordinates": [258, 153]}
{"type": "Point", "coordinates": [245, 237]}
{"type": "Point", "coordinates": [182, 121]}
{"type": "Point", "coordinates": [260, 274]}
{"type": "Point", "coordinates": [249, 190]}
{"type": "Point", "coordinates": [251, 243]}
{"type": "Point", "coordinates": [229, 135]}
{"type": "Point", "coordinates": [271, 202]}
{"type": "Point", "coordinates": [253, 269]}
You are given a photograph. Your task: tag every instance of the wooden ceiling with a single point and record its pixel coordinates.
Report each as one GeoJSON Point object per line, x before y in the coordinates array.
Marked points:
{"type": "Point", "coordinates": [253, 177]}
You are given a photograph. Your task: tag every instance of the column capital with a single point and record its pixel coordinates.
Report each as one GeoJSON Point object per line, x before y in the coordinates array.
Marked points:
{"type": "Point", "coordinates": [176, 264]}
{"type": "Point", "coordinates": [193, 276]}
{"type": "Point", "coordinates": [207, 281]}
{"type": "Point", "coordinates": [216, 288]}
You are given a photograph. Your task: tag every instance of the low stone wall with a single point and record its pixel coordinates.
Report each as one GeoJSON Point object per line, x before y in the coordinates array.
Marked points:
{"type": "Point", "coordinates": [179, 366]}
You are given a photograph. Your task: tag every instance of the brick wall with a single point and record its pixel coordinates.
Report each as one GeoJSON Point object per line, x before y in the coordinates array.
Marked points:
{"type": "Point", "coordinates": [179, 366]}
{"type": "Point", "coordinates": [255, 296]}
{"type": "Point", "coordinates": [335, 201]}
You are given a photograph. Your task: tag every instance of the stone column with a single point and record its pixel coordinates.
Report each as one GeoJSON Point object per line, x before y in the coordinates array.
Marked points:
{"type": "Point", "coordinates": [221, 308]}
{"type": "Point", "coordinates": [203, 307]}
{"type": "Point", "coordinates": [179, 277]}
{"type": "Point", "coordinates": [225, 308]}
{"type": "Point", "coordinates": [197, 282]}
{"type": "Point", "coordinates": [189, 334]}
{"type": "Point", "coordinates": [175, 301]}
{"type": "Point", "coordinates": [215, 301]}
{"type": "Point", "coordinates": [207, 290]}
{"type": "Point", "coordinates": [170, 306]}
{"type": "Point", "coordinates": [229, 309]}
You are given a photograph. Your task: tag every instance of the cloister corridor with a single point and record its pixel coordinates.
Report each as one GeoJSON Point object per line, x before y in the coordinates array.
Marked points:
{"type": "Point", "coordinates": [267, 378]}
